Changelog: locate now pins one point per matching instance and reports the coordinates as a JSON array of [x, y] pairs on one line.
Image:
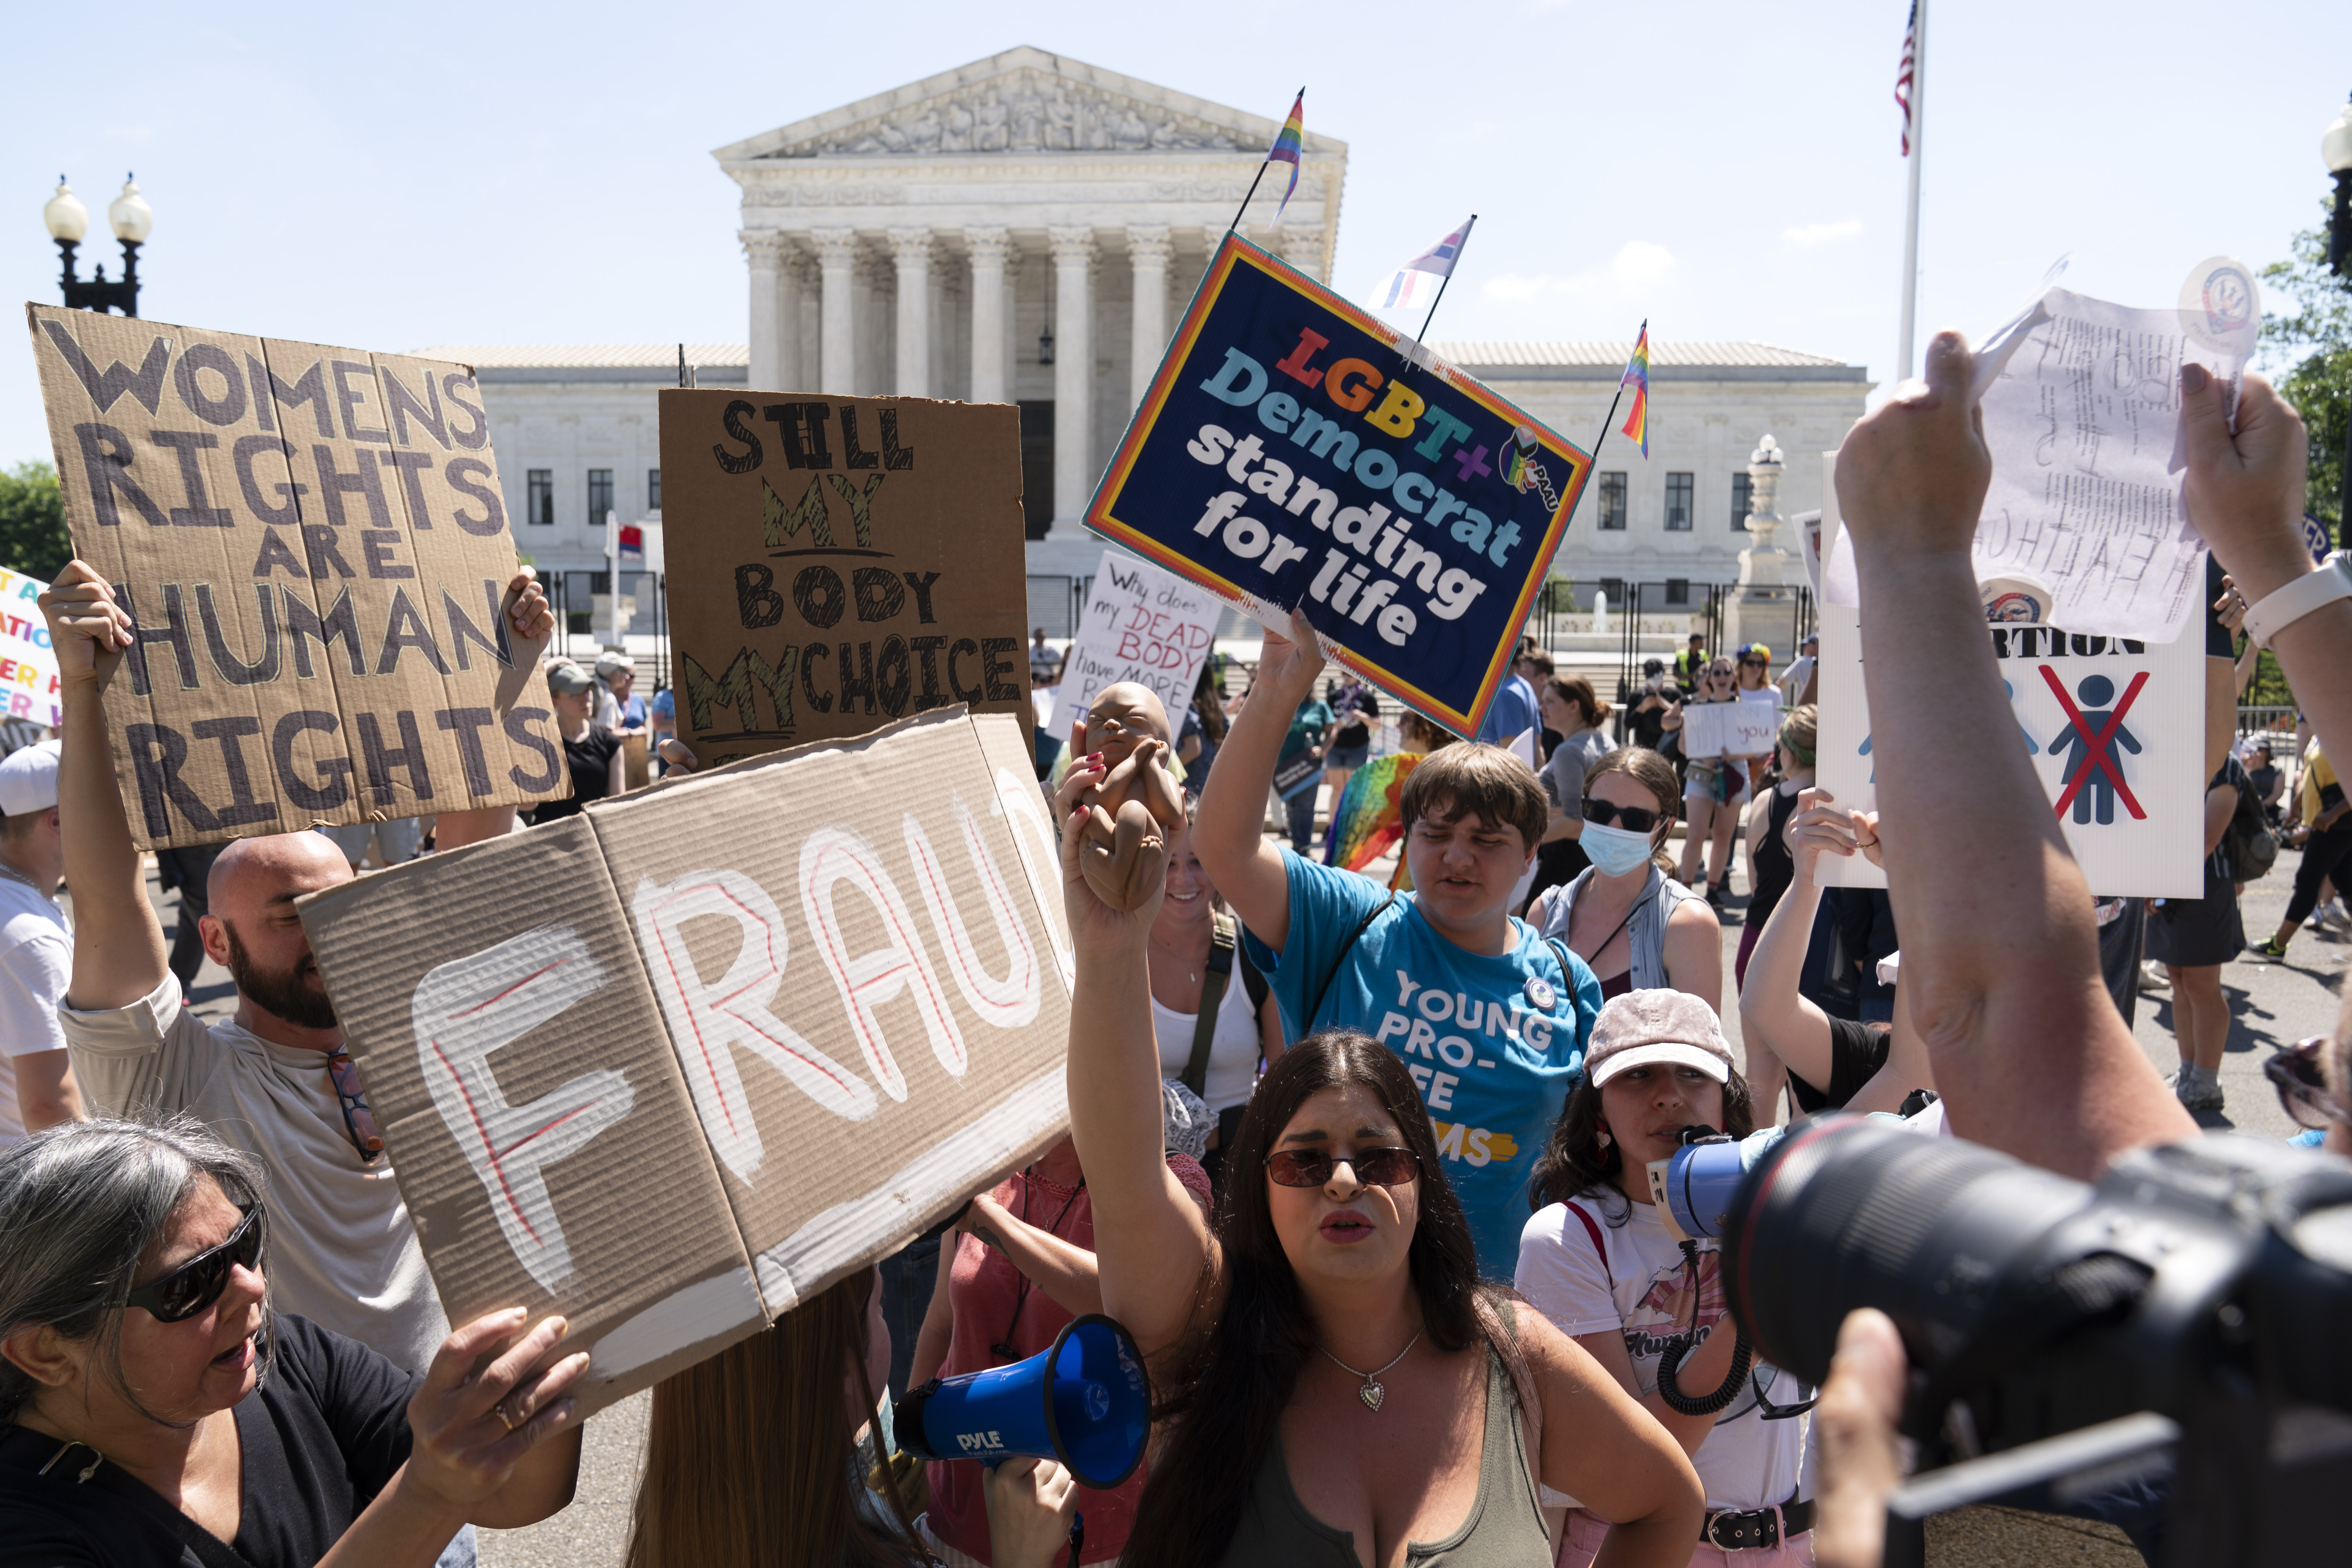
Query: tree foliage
[[33, 538], [2311, 331]]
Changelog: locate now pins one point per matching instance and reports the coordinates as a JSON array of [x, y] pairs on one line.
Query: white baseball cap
[[29, 779]]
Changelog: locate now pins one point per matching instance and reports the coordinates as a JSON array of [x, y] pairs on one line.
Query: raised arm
[[1229, 834], [1152, 1242], [1772, 1013], [118, 947], [1999, 954], [2246, 496]]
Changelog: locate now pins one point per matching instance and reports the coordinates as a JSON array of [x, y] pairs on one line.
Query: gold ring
[[504, 1420]]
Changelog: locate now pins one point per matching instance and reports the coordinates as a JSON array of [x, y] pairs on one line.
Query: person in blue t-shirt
[[1489, 1018], [1514, 711]]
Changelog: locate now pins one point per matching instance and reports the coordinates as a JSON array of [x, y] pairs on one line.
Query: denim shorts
[[1347, 758]]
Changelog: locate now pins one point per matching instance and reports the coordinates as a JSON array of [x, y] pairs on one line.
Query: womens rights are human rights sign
[[1294, 451]]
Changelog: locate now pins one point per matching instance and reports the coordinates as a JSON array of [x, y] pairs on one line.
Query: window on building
[[1678, 502], [1743, 498], [1677, 590], [1612, 499], [539, 503], [600, 495], [653, 490]]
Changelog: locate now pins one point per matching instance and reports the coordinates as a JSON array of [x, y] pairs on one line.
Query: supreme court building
[[1026, 229]]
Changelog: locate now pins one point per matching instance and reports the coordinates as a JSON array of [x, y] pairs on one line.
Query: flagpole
[[1422, 336], [1261, 172], [1911, 219]]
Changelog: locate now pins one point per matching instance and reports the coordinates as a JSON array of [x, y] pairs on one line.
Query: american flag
[[1903, 74]]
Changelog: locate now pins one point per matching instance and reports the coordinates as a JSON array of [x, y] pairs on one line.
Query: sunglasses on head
[[1313, 1167], [1633, 818], [2295, 1072], [198, 1283]]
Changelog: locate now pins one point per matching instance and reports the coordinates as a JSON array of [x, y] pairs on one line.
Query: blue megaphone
[[1694, 1188], [1085, 1402]]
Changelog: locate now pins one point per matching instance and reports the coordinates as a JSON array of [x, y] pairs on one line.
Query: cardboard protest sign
[[835, 564], [680, 1063], [1738, 728], [28, 669], [1140, 623], [1289, 453], [312, 544], [2116, 728]]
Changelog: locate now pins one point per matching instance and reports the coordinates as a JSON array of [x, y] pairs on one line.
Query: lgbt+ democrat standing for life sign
[[1293, 450]]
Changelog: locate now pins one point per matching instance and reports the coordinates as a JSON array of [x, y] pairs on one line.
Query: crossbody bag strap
[[1221, 944], [1340, 962], [209, 1548]]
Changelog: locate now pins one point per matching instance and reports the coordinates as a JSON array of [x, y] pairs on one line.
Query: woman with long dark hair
[[1598, 1262], [1335, 1383]]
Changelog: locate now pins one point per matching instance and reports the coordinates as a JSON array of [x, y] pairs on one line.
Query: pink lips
[[238, 1357], [1345, 1228]]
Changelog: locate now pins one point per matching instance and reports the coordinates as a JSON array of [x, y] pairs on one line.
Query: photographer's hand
[[1855, 1425]]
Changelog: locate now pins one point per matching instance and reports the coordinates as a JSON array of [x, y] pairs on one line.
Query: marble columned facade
[[1023, 229]]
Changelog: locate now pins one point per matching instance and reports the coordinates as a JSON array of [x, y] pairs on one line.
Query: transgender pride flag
[[1418, 278]]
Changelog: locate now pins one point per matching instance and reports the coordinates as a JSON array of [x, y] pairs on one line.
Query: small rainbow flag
[[1637, 376], [1289, 145]]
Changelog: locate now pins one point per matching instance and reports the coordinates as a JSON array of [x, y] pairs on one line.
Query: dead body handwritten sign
[[312, 544], [835, 564], [673, 1066]]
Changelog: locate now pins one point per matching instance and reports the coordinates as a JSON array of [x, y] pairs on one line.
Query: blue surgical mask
[[1613, 851]]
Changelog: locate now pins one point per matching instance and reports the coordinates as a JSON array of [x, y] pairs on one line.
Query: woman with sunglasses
[[1753, 683], [154, 1411], [1335, 1385], [1598, 1261], [1713, 788], [1625, 915]]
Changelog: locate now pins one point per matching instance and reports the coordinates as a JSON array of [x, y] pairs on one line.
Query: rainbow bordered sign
[[1288, 453]]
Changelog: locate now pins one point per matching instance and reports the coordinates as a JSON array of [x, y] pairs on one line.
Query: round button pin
[[1540, 995]]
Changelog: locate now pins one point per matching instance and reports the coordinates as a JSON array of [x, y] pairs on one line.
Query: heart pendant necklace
[[1371, 1394]]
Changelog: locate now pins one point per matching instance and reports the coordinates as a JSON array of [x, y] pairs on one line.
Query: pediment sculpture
[[1022, 113]]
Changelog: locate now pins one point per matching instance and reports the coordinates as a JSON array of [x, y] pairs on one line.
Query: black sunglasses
[[1313, 1167], [1633, 818], [198, 1283], [2294, 1071], [1754, 663]]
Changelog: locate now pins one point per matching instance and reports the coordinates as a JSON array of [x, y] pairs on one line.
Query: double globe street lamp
[[130, 216]]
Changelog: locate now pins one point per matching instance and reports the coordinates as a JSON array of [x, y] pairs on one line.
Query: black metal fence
[[573, 596]]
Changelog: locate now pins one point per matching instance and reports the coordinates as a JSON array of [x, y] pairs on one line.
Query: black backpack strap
[[1307, 1022], [1253, 983], [1222, 946]]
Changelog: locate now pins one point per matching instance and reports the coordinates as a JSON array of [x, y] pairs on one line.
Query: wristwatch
[[2283, 606]]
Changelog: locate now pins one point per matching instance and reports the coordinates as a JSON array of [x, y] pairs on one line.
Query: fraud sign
[[1290, 453]]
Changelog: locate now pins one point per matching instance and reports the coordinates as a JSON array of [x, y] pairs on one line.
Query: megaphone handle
[[1077, 1537]]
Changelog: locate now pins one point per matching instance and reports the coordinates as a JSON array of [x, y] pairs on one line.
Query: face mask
[[1613, 851]]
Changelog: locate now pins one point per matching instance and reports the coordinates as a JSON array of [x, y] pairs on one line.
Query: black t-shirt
[[321, 1437], [1354, 707], [1856, 1053], [1647, 725], [1775, 869], [590, 761]]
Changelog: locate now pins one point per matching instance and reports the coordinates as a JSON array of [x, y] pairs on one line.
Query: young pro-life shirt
[[1495, 1044]]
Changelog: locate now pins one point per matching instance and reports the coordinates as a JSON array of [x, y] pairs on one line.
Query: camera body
[[2209, 1281]]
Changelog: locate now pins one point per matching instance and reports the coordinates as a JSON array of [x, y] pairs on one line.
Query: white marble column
[[765, 250], [912, 249], [1148, 251], [789, 290], [836, 254], [1074, 377], [987, 247]]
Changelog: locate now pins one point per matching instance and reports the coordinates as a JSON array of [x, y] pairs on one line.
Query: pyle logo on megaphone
[[978, 1442], [1085, 1400]]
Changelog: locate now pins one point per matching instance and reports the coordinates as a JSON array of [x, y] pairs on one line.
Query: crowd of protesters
[[1357, 1159]]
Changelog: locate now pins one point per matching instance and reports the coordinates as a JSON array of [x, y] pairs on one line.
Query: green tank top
[[1505, 1529]]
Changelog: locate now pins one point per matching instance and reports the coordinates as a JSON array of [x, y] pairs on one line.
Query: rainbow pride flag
[[1637, 376], [1369, 817], [1289, 145]]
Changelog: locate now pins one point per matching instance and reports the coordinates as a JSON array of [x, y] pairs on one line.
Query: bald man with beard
[[342, 1251]]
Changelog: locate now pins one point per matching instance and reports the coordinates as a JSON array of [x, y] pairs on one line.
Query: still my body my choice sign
[[1288, 454]]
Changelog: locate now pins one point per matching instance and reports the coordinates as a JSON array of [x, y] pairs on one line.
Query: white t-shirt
[[35, 964], [1638, 1285], [342, 1250], [1232, 1049]]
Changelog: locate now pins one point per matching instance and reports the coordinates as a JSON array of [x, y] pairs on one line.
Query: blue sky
[[512, 174]]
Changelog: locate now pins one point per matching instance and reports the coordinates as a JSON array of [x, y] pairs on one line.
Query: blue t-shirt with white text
[[1495, 1044]]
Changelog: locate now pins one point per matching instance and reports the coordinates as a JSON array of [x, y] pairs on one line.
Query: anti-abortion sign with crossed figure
[[2113, 726]]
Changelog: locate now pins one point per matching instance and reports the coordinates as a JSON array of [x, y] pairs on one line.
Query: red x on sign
[[2098, 743]]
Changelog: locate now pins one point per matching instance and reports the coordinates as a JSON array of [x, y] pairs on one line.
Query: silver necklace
[[1372, 1393]]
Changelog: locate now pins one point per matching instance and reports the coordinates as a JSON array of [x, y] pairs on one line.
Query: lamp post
[[2335, 150], [130, 216]]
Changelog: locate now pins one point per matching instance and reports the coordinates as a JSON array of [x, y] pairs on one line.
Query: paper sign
[[673, 1066], [1139, 624], [1288, 453], [28, 669], [1738, 728], [835, 564], [2115, 729], [312, 544]]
